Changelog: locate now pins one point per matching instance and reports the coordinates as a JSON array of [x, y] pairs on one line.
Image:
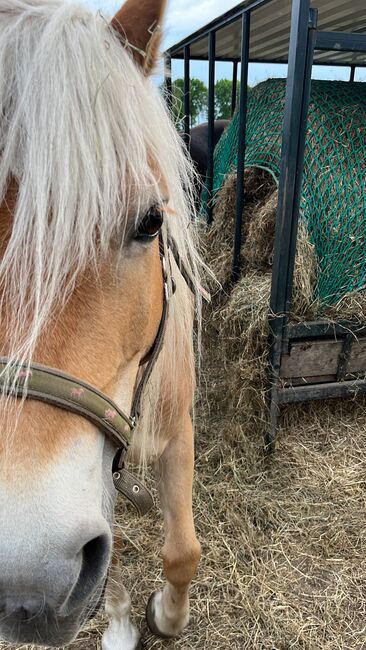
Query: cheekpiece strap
[[168, 290]]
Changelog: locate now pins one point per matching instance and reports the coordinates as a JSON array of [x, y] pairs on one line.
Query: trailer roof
[[270, 31]]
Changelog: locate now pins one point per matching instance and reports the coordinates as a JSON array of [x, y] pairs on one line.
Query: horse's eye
[[150, 225]]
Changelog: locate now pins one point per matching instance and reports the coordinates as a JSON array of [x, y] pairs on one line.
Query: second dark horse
[[198, 145]]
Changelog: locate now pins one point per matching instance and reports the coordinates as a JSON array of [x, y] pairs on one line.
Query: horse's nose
[[62, 584], [21, 607]]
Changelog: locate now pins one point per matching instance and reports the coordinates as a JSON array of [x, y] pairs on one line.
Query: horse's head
[[88, 163]]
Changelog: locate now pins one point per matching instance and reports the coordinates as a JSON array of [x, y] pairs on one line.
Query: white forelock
[[79, 127]]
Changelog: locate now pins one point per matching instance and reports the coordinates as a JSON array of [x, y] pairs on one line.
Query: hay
[[218, 241], [236, 336], [284, 563], [258, 240], [283, 539]]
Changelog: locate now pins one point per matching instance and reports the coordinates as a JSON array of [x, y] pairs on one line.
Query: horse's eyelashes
[[150, 225]]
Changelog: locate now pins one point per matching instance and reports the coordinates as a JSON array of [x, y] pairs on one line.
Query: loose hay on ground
[[284, 562]]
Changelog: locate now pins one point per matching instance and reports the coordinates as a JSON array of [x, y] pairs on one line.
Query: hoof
[[150, 620]]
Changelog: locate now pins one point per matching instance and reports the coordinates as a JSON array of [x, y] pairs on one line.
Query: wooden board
[[316, 361]]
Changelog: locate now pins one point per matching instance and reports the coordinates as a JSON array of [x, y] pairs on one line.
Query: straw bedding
[[283, 538]]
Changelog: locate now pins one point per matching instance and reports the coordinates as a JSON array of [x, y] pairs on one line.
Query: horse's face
[[56, 491]]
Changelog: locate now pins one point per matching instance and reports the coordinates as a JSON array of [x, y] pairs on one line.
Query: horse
[[99, 290], [198, 144]]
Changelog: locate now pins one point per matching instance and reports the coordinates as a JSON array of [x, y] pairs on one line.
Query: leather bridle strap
[[59, 389], [64, 391], [168, 291]]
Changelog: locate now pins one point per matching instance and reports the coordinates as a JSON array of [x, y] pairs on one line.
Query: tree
[[197, 101], [223, 99]]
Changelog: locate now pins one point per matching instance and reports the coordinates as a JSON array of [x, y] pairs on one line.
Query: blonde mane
[[79, 128]]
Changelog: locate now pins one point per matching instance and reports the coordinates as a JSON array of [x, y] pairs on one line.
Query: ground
[[283, 539]]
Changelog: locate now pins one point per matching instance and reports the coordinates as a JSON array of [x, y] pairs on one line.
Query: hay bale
[[257, 248], [219, 238], [236, 327], [257, 238]]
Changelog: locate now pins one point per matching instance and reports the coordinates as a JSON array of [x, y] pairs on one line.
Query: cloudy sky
[[183, 17], [186, 16]]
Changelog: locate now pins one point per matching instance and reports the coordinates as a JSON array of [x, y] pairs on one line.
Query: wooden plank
[[311, 359], [321, 391], [357, 362], [317, 359], [326, 329], [304, 381]]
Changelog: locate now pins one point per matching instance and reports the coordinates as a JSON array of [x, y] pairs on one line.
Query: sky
[[186, 16]]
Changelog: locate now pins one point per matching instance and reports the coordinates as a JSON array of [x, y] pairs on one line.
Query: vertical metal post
[[168, 81], [187, 103], [352, 73], [301, 51], [234, 87], [245, 38], [211, 121]]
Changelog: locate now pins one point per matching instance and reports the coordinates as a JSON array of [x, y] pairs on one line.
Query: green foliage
[[199, 100], [223, 90]]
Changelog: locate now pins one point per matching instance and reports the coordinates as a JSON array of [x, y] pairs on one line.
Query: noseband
[[50, 385]]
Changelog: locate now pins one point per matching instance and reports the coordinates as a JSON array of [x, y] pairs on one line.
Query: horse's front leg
[[121, 634], [168, 610]]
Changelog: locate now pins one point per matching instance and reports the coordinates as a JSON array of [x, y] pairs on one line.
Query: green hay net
[[333, 197]]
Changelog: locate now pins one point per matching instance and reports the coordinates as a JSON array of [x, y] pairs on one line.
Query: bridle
[[50, 385]]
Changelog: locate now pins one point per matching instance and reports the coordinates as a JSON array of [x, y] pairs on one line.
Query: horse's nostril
[[95, 560], [25, 614], [95, 549], [21, 608]]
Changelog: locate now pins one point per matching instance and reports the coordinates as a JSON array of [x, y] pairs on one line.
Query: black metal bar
[[211, 122], [321, 391], [344, 357], [168, 81], [322, 63], [234, 87], [245, 38], [301, 50], [352, 73], [218, 23], [340, 42], [292, 157], [325, 329], [187, 99]]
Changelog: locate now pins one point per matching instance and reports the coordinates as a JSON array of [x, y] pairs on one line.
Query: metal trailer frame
[[305, 39]]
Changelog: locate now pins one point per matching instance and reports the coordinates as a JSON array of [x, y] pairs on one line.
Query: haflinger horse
[[98, 292]]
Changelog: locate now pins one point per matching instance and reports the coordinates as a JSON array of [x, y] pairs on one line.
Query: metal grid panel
[[271, 28]]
